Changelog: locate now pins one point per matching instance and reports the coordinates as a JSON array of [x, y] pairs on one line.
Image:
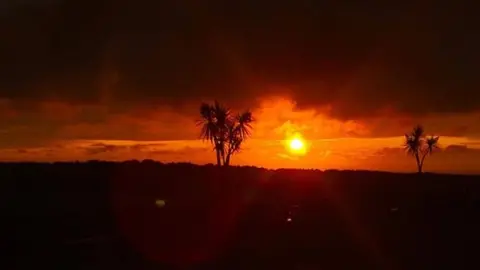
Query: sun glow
[[296, 145]]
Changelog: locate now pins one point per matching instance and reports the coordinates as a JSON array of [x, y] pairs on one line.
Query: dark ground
[[103, 216]]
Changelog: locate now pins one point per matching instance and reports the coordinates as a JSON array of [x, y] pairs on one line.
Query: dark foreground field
[[105, 216]]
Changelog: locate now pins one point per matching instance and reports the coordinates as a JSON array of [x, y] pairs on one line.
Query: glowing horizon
[[327, 142]]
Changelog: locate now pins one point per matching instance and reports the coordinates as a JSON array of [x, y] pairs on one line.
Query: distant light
[[289, 219], [160, 203], [394, 209]]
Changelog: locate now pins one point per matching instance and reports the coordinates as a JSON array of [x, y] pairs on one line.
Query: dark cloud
[[456, 148], [182, 152], [474, 143], [98, 148], [409, 56], [462, 149], [146, 147], [151, 149], [389, 151]]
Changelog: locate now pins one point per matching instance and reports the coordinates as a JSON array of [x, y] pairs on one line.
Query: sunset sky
[[117, 80]]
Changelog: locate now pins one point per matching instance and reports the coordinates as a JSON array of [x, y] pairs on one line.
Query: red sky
[[152, 134], [118, 80]]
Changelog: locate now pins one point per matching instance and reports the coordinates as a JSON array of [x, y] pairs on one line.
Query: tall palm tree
[[417, 145], [225, 132]]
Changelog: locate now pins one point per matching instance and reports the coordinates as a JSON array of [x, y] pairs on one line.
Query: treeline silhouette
[[104, 215]]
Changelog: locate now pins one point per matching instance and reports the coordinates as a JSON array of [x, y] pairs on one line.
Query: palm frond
[[432, 143], [206, 111], [411, 145], [207, 123], [418, 132], [244, 126], [222, 114]]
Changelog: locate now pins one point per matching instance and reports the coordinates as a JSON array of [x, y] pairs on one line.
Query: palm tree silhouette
[[238, 130], [223, 130], [417, 145]]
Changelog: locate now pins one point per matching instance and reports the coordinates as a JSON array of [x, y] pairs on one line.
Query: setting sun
[[296, 145]]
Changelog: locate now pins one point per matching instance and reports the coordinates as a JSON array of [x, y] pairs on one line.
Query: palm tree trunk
[[217, 149], [223, 157], [421, 162], [227, 160], [419, 165], [218, 158]]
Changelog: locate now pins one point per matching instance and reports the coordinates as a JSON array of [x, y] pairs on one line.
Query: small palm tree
[[225, 132], [419, 146]]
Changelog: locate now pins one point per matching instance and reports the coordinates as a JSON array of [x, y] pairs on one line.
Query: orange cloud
[[55, 130], [278, 118]]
